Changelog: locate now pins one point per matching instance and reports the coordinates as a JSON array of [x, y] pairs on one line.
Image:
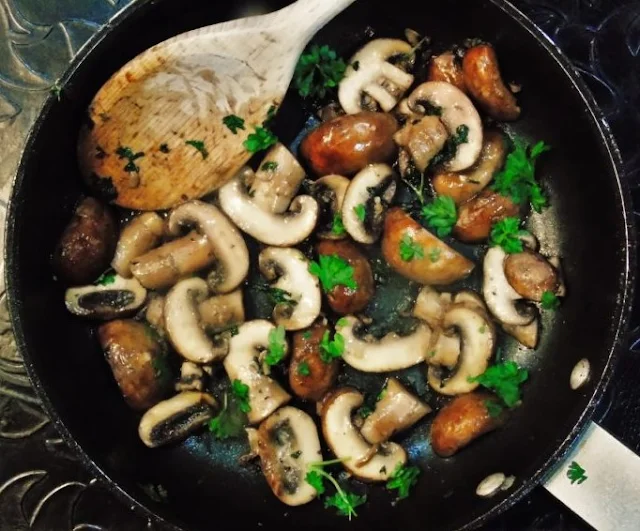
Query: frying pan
[[589, 225]]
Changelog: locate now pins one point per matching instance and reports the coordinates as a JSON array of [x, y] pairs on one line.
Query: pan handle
[[600, 482]]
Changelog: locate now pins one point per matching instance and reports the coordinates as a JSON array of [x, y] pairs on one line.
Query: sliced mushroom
[[373, 190], [457, 111], [119, 298], [191, 377], [500, 297], [182, 322], [243, 363], [391, 353], [431, 305], [366, 462], [478, 339], [154, 314], [222, 311], [174, 419], [277, 181], [447, 67], [228, 245], [287, 443], [329, 192], [139, 236], [363, 82], [164, 266], [421, 140], [527, 335], [288, 270], [445, 350], [396, 411], [281, 230], [462, 186]]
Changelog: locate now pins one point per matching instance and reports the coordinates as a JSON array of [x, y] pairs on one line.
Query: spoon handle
[[306, 17]]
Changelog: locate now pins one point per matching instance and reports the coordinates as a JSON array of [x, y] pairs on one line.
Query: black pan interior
[[587, 226]]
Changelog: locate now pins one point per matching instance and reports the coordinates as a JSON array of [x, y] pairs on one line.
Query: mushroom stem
[[139, 236], [222, 311]]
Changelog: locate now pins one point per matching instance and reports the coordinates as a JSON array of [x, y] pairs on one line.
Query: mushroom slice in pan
[[139, 236], [329, 192], [289, 268], [119, 298], [396, 411], [362, 84], [478, 339], [368, 196], [281, 230], [431, 305], [191, 377], [182, 322], [277, 180], [457, 111], [222, 311], [366, 462], [500, 297], [243, 363], [174, 419], [228, 245], [287, 443], [421, 140], [391, 353]]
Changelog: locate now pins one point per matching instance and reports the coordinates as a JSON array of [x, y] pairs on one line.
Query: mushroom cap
[[373, 65], [290, 270], [120, 298], [346, 442], [457, 110], [281, 230], [373, 187], [182, 322], [287, 433], [226, 241], [391, 353], [242, 363], [172, 420]]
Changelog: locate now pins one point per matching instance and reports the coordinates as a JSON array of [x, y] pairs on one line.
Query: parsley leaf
[[199, 145], [494, 408], [504, 379], [410, 250], [105, 279], [434, 255], [344, 501], [269, 166], [241, 392], [517, 178], [343, 321], [318, 71], [303, 369], [277, 295], [314, 479], [450, 148], [127, 153], [337, 226], [361, 211], [331, 349], [232, 419], [276, 349], [333, 271], [233, 123], [403, 479], [260, 140], [365, 411], [506, 234], [441, 215], [550, 301]]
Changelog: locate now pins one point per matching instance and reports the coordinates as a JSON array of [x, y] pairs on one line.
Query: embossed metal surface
[[42, 486]]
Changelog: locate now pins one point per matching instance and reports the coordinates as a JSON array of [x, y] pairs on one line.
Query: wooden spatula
[[158, 137]]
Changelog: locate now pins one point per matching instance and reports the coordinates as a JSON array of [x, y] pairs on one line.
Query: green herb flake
[[164, 148], [576, 474], [343, 321], [56, 90], [297, 454], [105, 279], [277, 347], [199, 145], [550, 301], [241, 392], [410, 250], [494, 409], [434, 255], [233, 123], [303, 369], [318, 71], [344, 501], [360, 211], [482, 329], [450, 148], [333, 271], [403, 479], [504, 379], [507, 234], [232, 419], [331, 349], [128, 154], [337, 226], [269, 166], [307, 335], [365, 411], [261, 139], [441, 215], [430, 109]]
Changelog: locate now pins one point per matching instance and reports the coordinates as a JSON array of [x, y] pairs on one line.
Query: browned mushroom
[[477, 216], [530, 274], [447, 67]]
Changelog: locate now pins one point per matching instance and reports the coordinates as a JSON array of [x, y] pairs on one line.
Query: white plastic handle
[[600, 482]]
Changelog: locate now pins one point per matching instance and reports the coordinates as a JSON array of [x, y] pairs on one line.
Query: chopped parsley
[[344, 501], [434, 255], [269, 166], [277, 295], [517, 179], [261, 139], [365, 411], [403, 479], [296, 454], [333, 271], [277, 347], [410, 250], [494, 409], [550, 301], [361, 211], [56, 90], [441, 215], [504, 379], [430, 109], [231, 420], [199, 145], [318, 71], [343, 321], [164, 148], [450, 148], [331, 349], [576, 474], [337, 226], [105, 279], [303, 369], [233, 123], [128, 154], [241, 392], [307, 335], [506, 234]]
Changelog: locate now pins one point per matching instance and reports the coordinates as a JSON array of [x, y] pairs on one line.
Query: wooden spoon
[[157, 136]]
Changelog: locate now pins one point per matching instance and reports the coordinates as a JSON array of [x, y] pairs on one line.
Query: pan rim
[[619, 322]]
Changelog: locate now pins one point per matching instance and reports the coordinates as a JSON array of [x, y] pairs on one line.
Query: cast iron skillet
[[589, 225]]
